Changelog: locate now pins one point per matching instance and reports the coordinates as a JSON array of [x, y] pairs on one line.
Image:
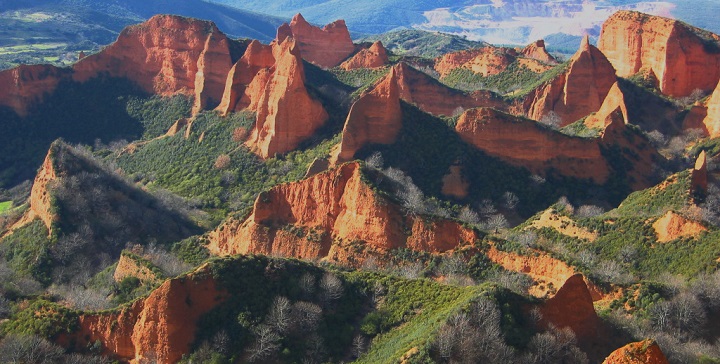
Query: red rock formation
[[166, 55], [340, 218], [25, 85], [177, 126], [699, 178], [454, 184], [374, 118], [373, 57], [326, 47], [127, 266], [435, 98], [576, 93], [238, 94], [524, 143], [487, 61], [40, 199], [678, 54], [712, 119], [673, 226], [160, 327], [615, 100], [286, 114], [695, 118], [572, 307], [643, 352], [536, 50]]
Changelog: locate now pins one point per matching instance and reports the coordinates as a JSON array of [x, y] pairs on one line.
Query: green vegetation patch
[[42, 318]]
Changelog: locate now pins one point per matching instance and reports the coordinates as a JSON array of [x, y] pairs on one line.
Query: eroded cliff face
[[524, 143], [40, 197], [577, 92], [711, 121], [286, 113], [374, 118], [238, 93], [335, 216], [160, 327], [166, 55], [614, 101], [536, 50], [325, 47], [572, 307], [128, 266], [372, 57], [682, 57], [435, 98], [699, 175], [674, 226], [25, 85], [643, 352]]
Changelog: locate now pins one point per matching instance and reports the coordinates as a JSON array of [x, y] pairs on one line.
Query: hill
[[54, 31]]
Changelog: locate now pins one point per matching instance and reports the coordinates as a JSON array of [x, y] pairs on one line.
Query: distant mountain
[[53, 31], [493, 21], [414, 42]]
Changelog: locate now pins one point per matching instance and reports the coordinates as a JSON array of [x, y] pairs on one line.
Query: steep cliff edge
[[371, 57], [683, 58], [578, 91], [435, 98], [160, 327], [325, 47], [336, 216], [524, 143], [167, 55], [25, 85], [572, 307], [286, 113], [374, 118]]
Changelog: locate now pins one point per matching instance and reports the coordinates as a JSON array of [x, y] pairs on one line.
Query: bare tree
[[510, 200], [469, 216], [307, 285], [496, 222], [359, 345], [331, 287], [222, 162], [267, 342], [552, 120], [375, 160], [587, 211], [280, 316], [306, 316], [29, 349]]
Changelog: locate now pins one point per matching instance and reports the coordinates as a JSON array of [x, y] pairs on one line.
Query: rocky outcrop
[[40, 196], [26, 85], [454, 184], [486, 61], [524, 143], [643, 352], [374, 118], [712, 118], [682, 57], [286, 113], [160, 327], [673, 226], [536, 50], [132, 266], [335, 216], [577, 92], [490, 60], [699, 176], [614, 101], [239, 93], [435, 98], [166, 55], [572, 307], [325, 47], [372, 57]]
